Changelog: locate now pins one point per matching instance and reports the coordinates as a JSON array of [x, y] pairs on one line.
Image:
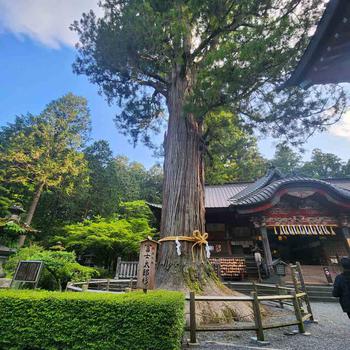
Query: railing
[[126, 269], [100, 285], [258, 326]]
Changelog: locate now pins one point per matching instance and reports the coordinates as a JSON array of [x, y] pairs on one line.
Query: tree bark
[[31, 211], [183, 209]]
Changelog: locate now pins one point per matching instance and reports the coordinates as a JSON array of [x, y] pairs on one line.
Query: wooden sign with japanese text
[[147, 264]]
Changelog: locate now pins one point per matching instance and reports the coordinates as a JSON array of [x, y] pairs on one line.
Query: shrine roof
[[326, 58], [266, 193], [217, 196], [248, 193]]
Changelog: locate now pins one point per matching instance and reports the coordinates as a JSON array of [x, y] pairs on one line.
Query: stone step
[[315, 292]]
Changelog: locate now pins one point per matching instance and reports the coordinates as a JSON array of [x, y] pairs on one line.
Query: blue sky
[[37, 52]]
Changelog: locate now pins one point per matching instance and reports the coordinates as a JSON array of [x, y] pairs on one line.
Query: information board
[[28, 271]]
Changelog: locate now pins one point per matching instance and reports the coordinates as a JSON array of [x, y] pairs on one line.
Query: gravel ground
[[331, 333]]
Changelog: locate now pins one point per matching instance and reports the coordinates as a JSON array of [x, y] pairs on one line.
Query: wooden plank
[[257, 318], [224, 328], [280, 325], [298, 314], [275, 297], [221, 298], [306, 317], [306, 297]]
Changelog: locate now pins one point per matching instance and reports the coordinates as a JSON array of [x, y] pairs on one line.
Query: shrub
[[33, 320], [59, 267], [109, 238]]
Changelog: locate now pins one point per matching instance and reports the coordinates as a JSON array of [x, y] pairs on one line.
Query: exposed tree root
[[202, 280]]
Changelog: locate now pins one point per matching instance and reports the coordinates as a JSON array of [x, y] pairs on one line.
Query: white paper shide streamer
[[178, 246], [207, 250]]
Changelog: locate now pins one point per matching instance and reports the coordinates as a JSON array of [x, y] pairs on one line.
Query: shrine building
[[290, 218]]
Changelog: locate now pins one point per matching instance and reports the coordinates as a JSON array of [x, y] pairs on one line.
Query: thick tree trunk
[[31, 211], [183, 208], [183, 211]]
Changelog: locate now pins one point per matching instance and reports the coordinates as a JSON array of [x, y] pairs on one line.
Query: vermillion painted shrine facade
[[288, 218]]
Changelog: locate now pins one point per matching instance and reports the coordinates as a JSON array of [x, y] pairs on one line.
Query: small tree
[[184, 59], [43, 151], [108, 238]]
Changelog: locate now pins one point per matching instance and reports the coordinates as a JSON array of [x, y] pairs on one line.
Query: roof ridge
[[270, 189], [258, 184]]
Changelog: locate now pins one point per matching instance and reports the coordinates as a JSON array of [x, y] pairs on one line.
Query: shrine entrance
[[302, 225], [307, 249]]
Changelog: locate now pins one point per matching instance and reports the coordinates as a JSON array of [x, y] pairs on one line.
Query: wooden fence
[[100, 285], [294, 298], [126, 269]]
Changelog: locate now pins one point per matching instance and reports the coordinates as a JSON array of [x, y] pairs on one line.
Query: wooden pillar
[[267, 250], [345, 231], [346, 234]]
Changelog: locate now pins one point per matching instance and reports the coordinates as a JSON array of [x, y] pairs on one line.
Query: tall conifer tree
[[179, 60]]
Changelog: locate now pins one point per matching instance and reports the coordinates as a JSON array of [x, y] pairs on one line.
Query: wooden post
[[193, 326], [259, 273], [294, 278], [267, 250], [303, 286], [257, 318], [117, 271], [255, 288], [147, 264], [108, 284], [344, 224], [298, 314], [279, 293]]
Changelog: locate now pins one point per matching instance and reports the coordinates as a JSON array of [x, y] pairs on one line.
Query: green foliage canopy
[[40, 152], [232, 151], [43, 148], [324, 165], [286, 159], [108, 238], [321, 165], [232, 54]]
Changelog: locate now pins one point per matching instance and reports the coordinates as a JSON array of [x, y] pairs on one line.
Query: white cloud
[[342, 128], [46, 21]]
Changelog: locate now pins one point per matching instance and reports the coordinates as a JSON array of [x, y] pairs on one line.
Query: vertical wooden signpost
[[147, 265]]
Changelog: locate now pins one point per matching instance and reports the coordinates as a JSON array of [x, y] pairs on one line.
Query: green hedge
[[82, 321]]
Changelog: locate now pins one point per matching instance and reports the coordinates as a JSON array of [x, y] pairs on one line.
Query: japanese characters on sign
[[147, 264]]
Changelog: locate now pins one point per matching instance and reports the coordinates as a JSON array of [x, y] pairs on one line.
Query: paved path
[[331, 333]]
